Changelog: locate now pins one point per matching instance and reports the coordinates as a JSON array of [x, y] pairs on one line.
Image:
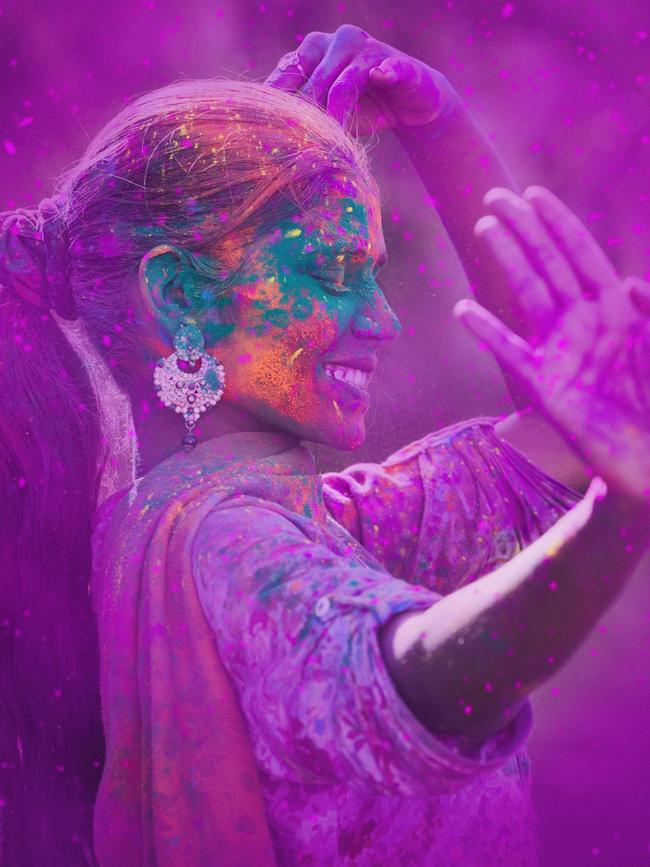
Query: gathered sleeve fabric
[[448, 508], [295, 607]]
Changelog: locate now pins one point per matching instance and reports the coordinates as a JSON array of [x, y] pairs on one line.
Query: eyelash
[[334, 287]]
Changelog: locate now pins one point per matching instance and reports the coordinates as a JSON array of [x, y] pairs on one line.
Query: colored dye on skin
[[306, 293]]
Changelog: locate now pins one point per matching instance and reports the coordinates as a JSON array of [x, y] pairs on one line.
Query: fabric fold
[[180, 786]]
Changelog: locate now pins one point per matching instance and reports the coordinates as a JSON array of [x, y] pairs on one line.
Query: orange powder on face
[[275, 370]]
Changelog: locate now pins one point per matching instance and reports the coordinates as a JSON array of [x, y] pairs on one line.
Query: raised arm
[[490, 644], [467, 664], [371, 86]]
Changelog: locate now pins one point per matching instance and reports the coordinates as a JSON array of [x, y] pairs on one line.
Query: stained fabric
[[286, 578]]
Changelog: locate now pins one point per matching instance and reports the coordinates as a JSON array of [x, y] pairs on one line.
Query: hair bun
[[34, 258]]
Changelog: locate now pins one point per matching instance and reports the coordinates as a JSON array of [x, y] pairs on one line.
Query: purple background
[[563, 89]]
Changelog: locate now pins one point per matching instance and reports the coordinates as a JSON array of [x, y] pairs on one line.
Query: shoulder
[[475, 431], [242, 522]]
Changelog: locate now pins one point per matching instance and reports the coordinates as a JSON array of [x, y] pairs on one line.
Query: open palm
[[587, 364]]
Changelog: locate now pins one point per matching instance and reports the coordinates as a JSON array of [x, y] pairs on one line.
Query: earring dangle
[[189, 380]]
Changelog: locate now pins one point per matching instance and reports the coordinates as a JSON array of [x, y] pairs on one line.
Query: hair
[[196, 164]]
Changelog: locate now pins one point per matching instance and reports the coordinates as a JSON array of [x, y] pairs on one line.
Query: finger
[[394, 70], [639, 293], [319, 82], [345, 45], [346, 91], [584, 254], [515, 353], [531, 294], [544, 252], [294, 68]]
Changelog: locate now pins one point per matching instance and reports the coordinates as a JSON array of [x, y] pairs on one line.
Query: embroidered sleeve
[[448, 508], [295, 621]]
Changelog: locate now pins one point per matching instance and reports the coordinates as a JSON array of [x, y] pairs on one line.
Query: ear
[[168, 285]]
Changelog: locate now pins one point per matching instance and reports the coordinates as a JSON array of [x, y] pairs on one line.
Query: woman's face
[[310, 320]]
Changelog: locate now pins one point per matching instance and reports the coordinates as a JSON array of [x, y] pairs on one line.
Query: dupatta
[[180, 786]]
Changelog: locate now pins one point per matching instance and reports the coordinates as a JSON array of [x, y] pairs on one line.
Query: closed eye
[[334, 287], [331, 284]]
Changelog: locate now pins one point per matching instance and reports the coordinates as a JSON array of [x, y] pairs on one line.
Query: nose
[[376, 319]]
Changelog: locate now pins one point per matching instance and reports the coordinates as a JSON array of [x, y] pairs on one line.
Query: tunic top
[[295, 589]]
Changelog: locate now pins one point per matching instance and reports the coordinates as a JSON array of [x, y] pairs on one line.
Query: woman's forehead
[[345, 215]]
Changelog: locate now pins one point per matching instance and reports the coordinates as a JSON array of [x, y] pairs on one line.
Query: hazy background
[[563, 89]]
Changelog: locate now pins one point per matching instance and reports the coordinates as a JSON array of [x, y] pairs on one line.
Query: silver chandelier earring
[[189, 380]]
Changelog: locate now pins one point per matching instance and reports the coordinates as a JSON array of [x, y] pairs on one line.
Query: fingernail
[[494, 193], [504, 193], [461, 307], [534, 191], [485, 224]]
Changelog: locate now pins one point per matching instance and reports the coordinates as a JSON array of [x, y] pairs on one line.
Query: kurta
[[295, 574]]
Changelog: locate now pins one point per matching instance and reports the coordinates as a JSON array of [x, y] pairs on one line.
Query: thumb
[[638, 290], [392, 70]]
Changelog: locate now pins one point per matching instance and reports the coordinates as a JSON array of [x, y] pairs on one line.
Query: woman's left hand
[[587, 364], [365, 84]]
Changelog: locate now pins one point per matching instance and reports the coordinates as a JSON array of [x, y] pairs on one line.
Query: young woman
[[294, 669]]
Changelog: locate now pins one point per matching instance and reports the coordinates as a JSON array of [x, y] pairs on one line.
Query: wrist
[[449, 107]]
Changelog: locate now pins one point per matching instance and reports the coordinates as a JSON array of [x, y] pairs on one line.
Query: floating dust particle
[[295, 355], [338, 409]]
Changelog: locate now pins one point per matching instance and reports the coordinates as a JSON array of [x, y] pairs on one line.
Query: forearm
[[457, 166], [465, 665]]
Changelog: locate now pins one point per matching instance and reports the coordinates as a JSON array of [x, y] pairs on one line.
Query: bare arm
[[513, 628], [465, 665], [457, 166], [567, 370]]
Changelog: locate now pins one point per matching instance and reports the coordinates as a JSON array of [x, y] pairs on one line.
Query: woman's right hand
[[587, 368]]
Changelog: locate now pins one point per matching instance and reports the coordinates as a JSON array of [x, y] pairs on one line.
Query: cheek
[[276, 364], [287, 318]]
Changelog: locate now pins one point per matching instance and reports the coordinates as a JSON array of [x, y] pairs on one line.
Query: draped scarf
[[180, 786]]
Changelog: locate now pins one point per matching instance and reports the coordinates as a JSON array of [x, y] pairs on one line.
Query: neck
[[160, 431]]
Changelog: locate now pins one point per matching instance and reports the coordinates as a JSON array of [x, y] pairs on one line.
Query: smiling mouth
[[349, 375]]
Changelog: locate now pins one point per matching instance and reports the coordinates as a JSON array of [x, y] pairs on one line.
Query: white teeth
[[348, 374]]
